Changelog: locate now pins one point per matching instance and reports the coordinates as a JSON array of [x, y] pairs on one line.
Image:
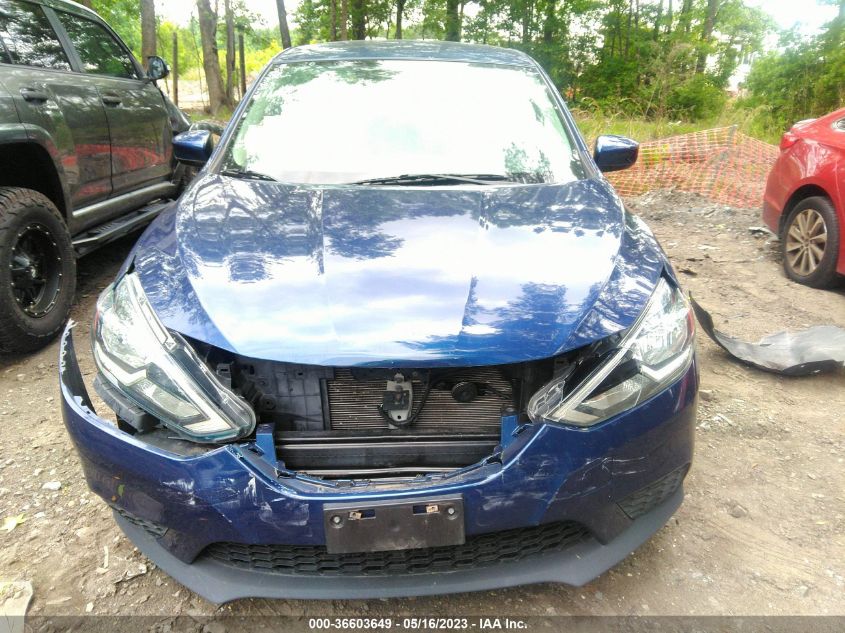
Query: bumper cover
[[237, 493], [577, 565]]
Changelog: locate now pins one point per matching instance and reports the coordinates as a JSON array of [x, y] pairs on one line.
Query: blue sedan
[[399, 337]]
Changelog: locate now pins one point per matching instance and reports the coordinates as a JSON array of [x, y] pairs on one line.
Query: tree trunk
[[657, 21], [359, 24], [242, 63], [842, 9], [628, 27], [686, 18], [526, 21], [148, 29], [400, 8], [550, 22], [344, 20], [707, 34], [210, 59], [283, 23], [669, 18], [230, 54], [453, 25], [333, 20]]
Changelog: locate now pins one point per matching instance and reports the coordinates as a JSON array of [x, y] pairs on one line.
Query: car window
[[402, 117], [30, 39], [840, 125], [98, 50]]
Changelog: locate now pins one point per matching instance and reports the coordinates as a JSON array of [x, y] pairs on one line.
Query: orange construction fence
[[722, 164]]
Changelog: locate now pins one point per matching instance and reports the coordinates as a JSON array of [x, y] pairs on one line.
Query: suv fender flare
[[39, 136]]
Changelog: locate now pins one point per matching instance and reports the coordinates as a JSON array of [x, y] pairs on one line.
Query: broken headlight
[[653, 354], [159, 371]]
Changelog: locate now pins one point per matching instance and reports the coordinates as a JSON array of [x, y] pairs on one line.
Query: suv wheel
[[37, 270], [810, 243]]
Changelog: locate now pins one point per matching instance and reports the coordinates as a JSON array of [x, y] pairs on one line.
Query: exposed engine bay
[[368, 422]]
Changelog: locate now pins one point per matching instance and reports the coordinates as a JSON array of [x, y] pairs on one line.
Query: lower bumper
[[218, 582]]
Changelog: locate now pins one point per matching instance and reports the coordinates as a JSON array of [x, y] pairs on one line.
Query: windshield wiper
[[247, 174], [436, 179]]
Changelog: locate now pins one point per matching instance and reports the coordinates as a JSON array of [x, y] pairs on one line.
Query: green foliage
[[805, 79], [695, 99]]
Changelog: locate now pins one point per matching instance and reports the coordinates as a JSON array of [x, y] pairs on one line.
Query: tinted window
[[29, 37], [99, 52], [403, 117]]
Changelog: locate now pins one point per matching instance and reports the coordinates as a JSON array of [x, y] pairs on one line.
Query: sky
[[787, 13]]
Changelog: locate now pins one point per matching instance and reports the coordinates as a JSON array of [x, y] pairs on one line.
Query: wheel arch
[[804, 191], [29, 165]]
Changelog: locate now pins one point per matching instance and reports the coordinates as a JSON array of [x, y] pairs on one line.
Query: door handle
[[34, 94], [111, 99]]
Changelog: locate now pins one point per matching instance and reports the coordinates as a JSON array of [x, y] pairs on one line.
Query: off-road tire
[[824, 274], [24, 210]]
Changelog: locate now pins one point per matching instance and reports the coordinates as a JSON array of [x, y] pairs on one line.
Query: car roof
[[406, 49]]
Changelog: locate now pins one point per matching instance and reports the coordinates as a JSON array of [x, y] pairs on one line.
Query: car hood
[[391, 276]]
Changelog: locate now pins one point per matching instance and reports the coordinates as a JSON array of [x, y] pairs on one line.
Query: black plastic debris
[[820, 348]]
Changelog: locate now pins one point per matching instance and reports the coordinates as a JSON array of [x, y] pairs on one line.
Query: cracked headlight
[[159, 371], [655, 352]]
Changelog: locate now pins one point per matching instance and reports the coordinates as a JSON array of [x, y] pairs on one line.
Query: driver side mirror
[[613, 153], [157, 68], [193, 147]]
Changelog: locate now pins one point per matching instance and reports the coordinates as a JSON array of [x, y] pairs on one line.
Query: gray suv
[[85, 156]]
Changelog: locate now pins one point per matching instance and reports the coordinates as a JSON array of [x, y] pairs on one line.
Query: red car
[[804, 201]]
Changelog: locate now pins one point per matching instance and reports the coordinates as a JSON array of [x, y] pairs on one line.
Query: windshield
[[348, 121]]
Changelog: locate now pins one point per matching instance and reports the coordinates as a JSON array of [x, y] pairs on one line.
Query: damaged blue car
[[399, 337]]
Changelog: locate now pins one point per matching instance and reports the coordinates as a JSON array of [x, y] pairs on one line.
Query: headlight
[[159, 371], [656, 351]]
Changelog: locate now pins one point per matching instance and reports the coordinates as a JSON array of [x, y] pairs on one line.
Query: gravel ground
[[761, 532]]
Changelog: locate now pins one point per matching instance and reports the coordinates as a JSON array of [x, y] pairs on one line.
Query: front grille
[[485, 550], [637, 504], [353, 404], [156, 530]]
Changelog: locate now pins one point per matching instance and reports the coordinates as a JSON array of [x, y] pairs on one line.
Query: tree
[[400, 9], [453, 22], [283, 23], [333, 20], [230, 53], [148, 29], [358, 16], [707, 34], [210, 58], [344, 20]]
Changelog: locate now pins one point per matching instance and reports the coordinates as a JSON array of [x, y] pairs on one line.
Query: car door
[[60, 112], [141, 140]]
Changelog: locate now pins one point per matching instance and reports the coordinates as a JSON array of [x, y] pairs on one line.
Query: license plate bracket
[[390, 525]]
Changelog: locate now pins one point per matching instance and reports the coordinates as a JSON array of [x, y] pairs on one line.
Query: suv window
[[98, 50], [29, 37]]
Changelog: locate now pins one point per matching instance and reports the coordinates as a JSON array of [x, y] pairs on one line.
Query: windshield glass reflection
[[345, 121]]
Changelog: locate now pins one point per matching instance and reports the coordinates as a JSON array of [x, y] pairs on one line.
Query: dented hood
[[397, 275]]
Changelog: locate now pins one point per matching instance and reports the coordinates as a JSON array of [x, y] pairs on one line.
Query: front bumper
[[174, 506]]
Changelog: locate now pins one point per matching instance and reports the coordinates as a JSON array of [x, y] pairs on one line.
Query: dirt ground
[[761, 532]]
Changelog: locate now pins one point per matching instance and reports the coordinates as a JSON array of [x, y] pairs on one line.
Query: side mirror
[[193, 147], [613, 153], [157, 68]]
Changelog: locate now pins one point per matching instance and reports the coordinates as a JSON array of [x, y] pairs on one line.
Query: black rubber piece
[[20, 332], [824, 276]]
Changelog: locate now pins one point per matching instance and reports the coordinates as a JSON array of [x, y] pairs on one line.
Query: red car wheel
[[810, 243]]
